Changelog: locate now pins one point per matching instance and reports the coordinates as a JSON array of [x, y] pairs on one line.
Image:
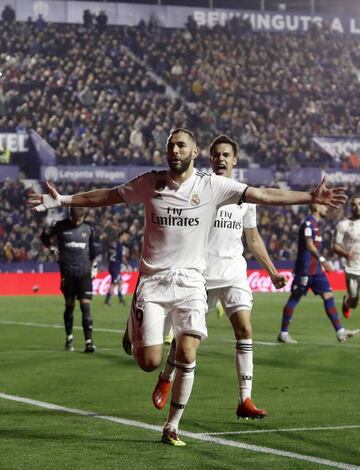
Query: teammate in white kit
[[180, 207], [226, 279], [347, 245]]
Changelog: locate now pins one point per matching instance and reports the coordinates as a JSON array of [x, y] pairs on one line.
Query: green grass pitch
[[311, 391]]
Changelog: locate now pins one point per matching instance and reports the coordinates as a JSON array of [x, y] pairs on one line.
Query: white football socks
[[181, 391], [244, 367]]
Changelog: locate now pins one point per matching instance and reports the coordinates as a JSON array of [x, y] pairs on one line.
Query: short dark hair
[[224, 139], [182, 129], [77, 212]]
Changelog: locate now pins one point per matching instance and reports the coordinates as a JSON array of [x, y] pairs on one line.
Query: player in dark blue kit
[[115, 254], [309, 273], [75, 243]]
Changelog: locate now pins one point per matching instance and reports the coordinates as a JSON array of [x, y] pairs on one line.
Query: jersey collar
[[174, 185]]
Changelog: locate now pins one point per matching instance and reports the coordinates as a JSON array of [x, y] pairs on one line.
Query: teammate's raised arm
[[257, 247], [96, 198]]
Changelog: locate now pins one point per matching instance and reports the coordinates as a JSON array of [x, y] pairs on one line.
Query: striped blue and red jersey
[[306, 263]]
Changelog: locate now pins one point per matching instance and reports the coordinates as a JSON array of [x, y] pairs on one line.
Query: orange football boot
[[247, 410], [161, 392]]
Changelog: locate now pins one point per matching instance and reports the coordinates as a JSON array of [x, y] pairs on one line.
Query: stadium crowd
[[272, 92], [109, 95], [102, 96], [20, 229]]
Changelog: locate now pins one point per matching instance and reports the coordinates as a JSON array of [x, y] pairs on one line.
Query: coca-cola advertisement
[[260, 281], [49, 283], [101, 283]]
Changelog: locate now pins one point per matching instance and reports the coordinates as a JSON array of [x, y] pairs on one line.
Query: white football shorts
[[232, 298], [179, 294]]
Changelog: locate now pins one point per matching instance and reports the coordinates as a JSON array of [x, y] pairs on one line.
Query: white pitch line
[[45, 325], [196, 436], [103, 330], [110, 330], [264, 431], [266, 343]]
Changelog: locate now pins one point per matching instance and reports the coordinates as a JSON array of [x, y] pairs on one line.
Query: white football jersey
[[226, 265], [348, 235], [178, 218]]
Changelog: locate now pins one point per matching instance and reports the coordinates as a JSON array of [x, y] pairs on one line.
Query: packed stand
[[271, 92], [84, 94], [94, 93]]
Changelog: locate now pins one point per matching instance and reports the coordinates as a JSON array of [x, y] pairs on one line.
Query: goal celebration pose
[[226, 279], [180, 207]]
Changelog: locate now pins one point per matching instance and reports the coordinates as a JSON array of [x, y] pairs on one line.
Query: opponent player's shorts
[[115, 276], [179, 294], [76, 286], [318, 283], [352, 285], [233, 298]]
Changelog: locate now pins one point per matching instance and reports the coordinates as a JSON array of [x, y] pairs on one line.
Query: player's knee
[[186, 353], [296, 295], [148, 358], [148, 364], [70, 304], [186, 347], [244, 332], [327, 296]]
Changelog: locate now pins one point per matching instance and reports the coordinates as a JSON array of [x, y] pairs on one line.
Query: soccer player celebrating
[[347, 245], [309, 274], [226, 279], [180, 206], [75, 242]]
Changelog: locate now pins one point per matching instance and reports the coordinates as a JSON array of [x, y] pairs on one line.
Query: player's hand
[[54, 251], [279, 281], [333, 197], [42, 202], [94, 270]]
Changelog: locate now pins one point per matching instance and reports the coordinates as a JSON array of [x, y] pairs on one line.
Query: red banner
[[49, 283]]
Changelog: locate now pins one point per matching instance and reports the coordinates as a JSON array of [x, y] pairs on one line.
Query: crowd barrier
[[49, 283]]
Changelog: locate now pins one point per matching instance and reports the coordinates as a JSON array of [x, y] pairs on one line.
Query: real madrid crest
[[195, 200]]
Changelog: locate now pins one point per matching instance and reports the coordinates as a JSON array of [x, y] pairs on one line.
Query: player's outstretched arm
[[334, 197], [96, 198], [257, 247]]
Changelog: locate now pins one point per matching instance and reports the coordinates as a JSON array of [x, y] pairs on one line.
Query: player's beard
[[180, 167]]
